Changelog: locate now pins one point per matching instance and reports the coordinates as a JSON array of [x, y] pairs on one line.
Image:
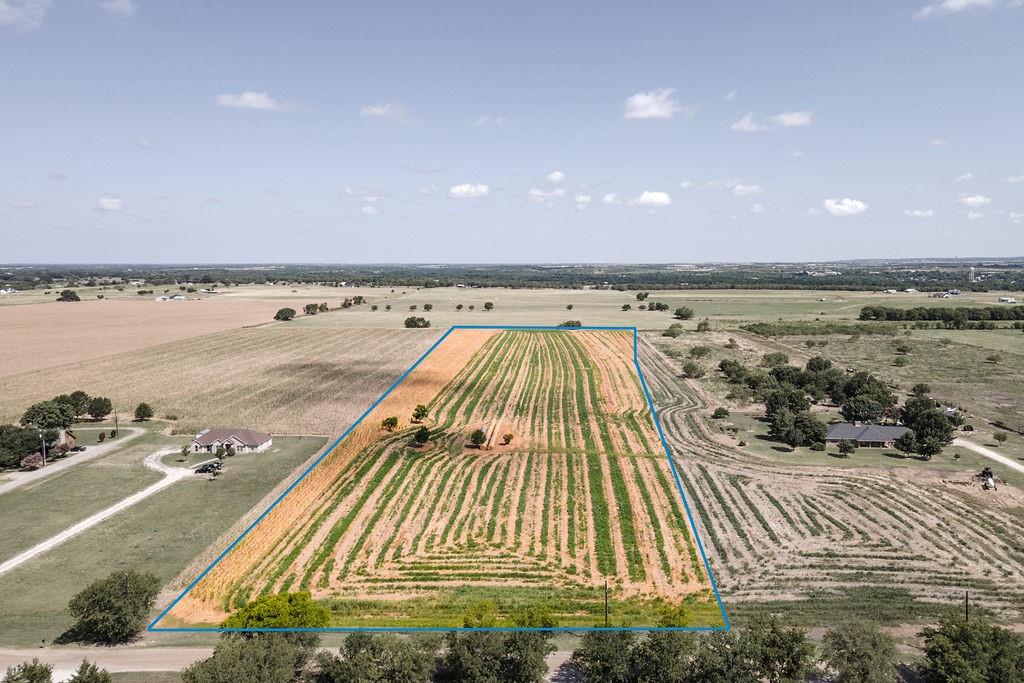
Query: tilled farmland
[[394, 535]]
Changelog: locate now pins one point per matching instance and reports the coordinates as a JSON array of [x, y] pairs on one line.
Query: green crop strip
[[737, 483], [523, 494], [404, 513]]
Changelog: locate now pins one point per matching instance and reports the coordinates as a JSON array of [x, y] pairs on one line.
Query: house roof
[[865, 433], [248, 437]]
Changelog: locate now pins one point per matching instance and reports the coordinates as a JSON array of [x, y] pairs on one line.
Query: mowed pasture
[[389, 534], [819, 542], [276, 378], [47, 335]]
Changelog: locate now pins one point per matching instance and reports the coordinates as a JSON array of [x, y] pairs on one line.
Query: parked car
[[209, 468], [78, 449]]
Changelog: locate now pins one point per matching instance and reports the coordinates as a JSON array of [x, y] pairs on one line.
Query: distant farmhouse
[[877, 436], [171, 297], [241, 440]]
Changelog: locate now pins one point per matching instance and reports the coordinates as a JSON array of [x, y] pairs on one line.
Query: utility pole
[[606, 603], [967, 606], [42, 440]]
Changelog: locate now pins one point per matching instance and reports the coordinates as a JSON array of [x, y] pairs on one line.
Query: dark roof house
[[865, 434]]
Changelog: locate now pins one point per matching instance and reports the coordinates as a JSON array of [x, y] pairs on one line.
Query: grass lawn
[[162, 535]]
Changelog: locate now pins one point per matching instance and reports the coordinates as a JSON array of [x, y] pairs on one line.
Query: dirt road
[[990, 454], [153, 462], [13, 480]]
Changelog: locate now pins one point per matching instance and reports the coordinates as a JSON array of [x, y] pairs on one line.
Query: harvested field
[[392, 535], [818, 543], [276, 378], [46, 335]]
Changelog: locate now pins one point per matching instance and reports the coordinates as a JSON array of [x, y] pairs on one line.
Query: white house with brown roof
[[241, 440]]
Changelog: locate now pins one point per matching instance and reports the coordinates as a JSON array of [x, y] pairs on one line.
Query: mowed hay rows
[[787, 533], [275, 378], [401, 536]]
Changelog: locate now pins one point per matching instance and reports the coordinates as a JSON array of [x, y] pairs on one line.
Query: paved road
[[15, 480], [153, 462], [989, 453]]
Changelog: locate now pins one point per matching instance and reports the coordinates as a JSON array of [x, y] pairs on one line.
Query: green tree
[[921, 389], [640, 296], [806, 430], [323, 308], [389, 424], [568, 307], [79, 402], [68, 295], [723, 658], [143, 412], [626, 307], [284, 314], [88, 672], [100, 407], [704, 325], [48, 415], [478, 438], [458, 307], [971, 652], [1001, 437], [506, 439], [779, 653], [720, 413], [258, 658], [663, 657], [113, 610], [428, 307], [488, 306], [907, 443], [421, 436], [863, 409], [604, 656], [365, 658], [674, 330], [818, 364], [860, 652], [699, 351], [29, 672], [413, 322], [310, 309], [693, 370], [282, 610], [847, 448], [774, 359], [683, 313], [419, 413]]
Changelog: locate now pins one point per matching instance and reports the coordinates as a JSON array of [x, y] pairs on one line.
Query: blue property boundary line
[[389, 629]]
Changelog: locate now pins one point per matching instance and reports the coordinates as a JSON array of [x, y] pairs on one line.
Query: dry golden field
[[276, 378], [46, 335], [393, 535]]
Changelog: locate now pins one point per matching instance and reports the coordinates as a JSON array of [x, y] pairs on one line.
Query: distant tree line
[[950, 316]]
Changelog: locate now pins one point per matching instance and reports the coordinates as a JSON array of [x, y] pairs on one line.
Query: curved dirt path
[[18, 479], [989, 453], [152, 461]]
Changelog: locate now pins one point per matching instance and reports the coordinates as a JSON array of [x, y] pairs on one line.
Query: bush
[[29, 672], [143, 412], [684, 313], [488, 306], [818, 446], [283, 610], [478, 438], [68, 295], [101, 437], [90, 673], [284, 314], [389, 424], [571, 323], [720, 413], [693, 370], [847, 448], [113, 610], [674, 330], [413, 322]]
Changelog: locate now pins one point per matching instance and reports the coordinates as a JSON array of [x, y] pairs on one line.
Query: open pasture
[[393, 535], [277, 378]]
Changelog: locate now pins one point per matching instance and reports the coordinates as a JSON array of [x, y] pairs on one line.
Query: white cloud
[[652, 199], [1015, 179], [973, 201], [744, 190], [919, 213], [369, 210], [844, 207], [612, 198], [812, 211], [796, 154], [964, 178], [1016, 216], [731, 96], [489, 118], [656, 104], [426, 189], [756, 208], [555, 177], [686, 184], [250, 99], [582, 201], [748, 125], [126, 8], [793, 119], [538, 195], [363, 195], [469, 191], [24, 15], [974, 215], [786, 119], [953, 7], [939, 142], [386, 110], [727, 183], [110, 204]]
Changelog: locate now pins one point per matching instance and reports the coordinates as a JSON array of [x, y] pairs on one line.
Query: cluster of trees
[[413, 322], [39, 672], [18, 442], [61, 411], [951, 317], [68, 295], [797, 327], [112, 611]]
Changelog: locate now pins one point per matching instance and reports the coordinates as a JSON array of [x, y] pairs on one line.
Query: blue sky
[[136, 130]]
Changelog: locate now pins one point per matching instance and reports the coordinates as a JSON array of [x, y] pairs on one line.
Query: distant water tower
[[974, 277]]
